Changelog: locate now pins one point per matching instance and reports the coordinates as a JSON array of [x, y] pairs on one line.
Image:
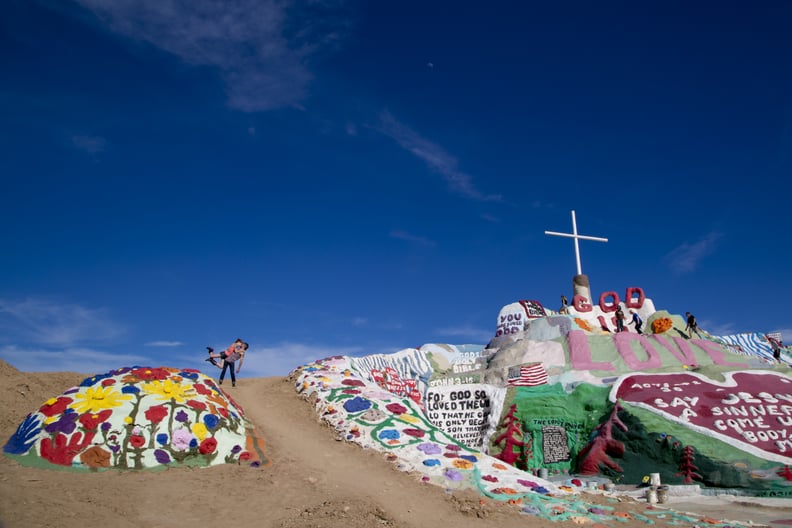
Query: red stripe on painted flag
[[528, 376]]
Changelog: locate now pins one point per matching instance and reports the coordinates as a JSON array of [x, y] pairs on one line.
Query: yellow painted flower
[[168, 389], [410, 418], [95, 399], [199, 430]]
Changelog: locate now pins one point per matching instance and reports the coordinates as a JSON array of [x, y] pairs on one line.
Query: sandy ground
[[313, 480]]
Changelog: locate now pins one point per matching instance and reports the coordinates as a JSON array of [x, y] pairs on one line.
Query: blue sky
[[326, 178]]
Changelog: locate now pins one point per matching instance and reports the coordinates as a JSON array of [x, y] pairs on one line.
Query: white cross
[[576, 237]]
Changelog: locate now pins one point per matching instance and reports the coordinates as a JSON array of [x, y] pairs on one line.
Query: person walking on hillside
[[637, 321], [619, 319], [692, 326], [233, 354]]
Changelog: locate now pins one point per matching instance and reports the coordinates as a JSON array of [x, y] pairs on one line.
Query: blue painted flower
[[162, 456], [189, 375], [25, 436], [389, 434], [469, 458], [87, 382], [162, 438], [431, 462], [130, 389], [356, 404], [210, 420], [194, 442]]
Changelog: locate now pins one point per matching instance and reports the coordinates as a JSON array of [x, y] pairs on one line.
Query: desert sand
[[312, 480]]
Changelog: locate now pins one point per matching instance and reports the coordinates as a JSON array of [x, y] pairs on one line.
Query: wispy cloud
[[434, 156], [476, 335], [686, 257], [48, 323], [164, 344], [89, 144], [280, 359], [261, 48], [84, 360], [414, 239]]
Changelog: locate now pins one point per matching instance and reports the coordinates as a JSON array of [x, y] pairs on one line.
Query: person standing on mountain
[[692, 326], [233, 354], [637, 321], [619, 319]]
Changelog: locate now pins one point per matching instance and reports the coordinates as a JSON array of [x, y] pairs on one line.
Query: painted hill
[[565, 396]]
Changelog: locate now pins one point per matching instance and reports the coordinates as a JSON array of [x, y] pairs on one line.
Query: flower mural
[[138, 418]]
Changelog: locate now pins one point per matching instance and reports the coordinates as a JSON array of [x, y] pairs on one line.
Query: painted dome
[[138, 418]]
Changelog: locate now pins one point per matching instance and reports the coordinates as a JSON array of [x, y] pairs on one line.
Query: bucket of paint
[[662, 494], [542, 473], [654, 479], [651, 495]]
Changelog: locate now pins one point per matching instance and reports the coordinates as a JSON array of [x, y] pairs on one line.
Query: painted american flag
[[528, 375]]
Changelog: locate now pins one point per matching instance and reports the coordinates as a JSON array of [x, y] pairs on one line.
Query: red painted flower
[[108, 381], [151, 374], [197, 405], [137, 441], [353, 383], [350, 391], [91, 421], [223, 412], [414, 432], [208, 446], [156, 413], [202, 389], [55, 407], [244, 455], [396, 408], [489, 478]]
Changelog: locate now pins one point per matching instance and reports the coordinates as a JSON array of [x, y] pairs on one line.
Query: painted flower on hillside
[[207, 446], [156, 413], [168, 390], [181, 439], [95, 399], [55, 406], [150, 374], [91, 421], [66, 423]]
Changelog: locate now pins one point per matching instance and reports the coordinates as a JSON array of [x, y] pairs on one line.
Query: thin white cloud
[[686, 257], [260, 47], [84, 360], [360, 321], [280, 359], [45, 322], [414, 239], [478, 335], [434, 156], [89, 144], [164, 344]]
